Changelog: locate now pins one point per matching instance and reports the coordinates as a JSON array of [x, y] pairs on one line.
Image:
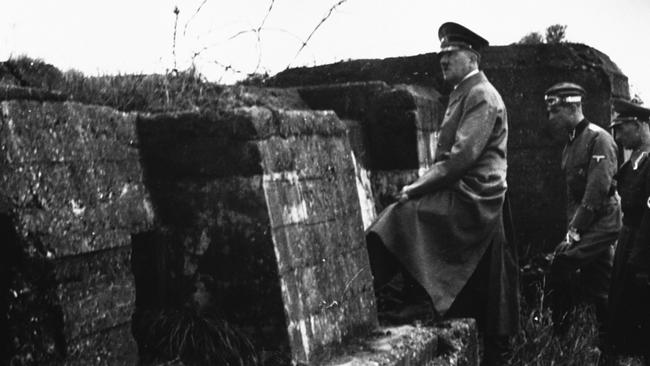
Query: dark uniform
[[629, 294], [582, 272], [449, 234]]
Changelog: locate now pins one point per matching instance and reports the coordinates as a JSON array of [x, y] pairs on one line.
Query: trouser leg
[[383, 264], [561, 281], [595, 280], [496, 350], [581, 276], [472, 302]]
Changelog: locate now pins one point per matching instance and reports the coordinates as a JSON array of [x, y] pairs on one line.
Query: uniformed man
[[446, 228], [629, 295], [581, 268]]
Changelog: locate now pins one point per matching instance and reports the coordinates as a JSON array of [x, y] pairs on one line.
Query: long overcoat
[[455, 208], [629, 301]]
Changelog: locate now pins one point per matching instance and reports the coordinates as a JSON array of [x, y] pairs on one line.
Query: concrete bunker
[[247, 195]]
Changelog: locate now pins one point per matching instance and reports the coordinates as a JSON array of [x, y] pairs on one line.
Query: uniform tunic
[[629, 300], [455, 209], [583, 272]]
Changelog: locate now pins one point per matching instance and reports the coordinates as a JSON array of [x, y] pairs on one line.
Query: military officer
[[629, 295], [447, 229], [589, 161]]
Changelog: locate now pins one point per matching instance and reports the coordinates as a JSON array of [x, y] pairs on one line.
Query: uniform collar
[[467, 83], [469, 75], [578, 130], [642, 154]]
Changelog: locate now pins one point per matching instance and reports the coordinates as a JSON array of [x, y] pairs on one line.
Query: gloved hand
[[572, 236], [402, 196], [570, 239]]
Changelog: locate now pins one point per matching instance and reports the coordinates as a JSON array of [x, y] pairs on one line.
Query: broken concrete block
[[451, 343], [74, 189], [272, 228]]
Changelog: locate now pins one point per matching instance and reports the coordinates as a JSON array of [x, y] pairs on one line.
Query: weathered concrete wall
[[71, 186], [521, 73], [392, 129], [268, 221], [239, 210]]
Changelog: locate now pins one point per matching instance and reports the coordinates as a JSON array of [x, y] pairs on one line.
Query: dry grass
[[151, 93], [174, 91], [197, 339], [536, 343]]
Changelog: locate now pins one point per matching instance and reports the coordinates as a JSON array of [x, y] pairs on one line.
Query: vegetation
[[537, 344], [195, 338], [154, 93], [532, 38], [555, 33]]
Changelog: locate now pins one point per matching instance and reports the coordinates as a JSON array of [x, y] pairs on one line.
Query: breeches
[[585, 270]]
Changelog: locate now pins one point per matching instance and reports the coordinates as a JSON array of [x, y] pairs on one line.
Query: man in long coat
[[446, 229], [629, 294]]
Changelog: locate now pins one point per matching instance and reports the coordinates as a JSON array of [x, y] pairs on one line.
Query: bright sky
[[134, 36]]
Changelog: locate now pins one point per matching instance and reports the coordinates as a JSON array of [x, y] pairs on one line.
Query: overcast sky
[[134, 36]]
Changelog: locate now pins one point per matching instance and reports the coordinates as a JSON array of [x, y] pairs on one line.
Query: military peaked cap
[[454, 36], [627, 111], [564, 93]]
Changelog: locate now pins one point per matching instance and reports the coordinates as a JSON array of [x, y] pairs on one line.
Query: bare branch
[[193, 15], [240, 33], [228, 67], [316, 28], [259, 38], [266, 16], [176, 12]]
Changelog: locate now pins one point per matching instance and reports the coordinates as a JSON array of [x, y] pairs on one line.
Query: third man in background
[[629, 296]]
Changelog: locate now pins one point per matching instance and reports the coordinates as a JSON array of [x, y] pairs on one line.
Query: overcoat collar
[[466, 85]]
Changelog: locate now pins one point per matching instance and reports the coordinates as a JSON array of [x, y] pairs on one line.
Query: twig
[[228, 67], [176, 12], [193, 15], [266, 16], [259, 39], [347, 285], [304, 44]]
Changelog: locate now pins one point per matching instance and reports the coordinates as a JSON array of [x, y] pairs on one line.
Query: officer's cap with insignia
[[454, 37], [564, 93], [627, 111]]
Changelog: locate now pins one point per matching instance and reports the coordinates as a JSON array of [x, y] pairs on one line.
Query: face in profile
[[626, 134], [455, 65], [559, 116], [555, 129]]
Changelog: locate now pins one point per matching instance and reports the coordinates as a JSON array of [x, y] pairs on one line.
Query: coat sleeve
[[476, 125], [640, 252], [600, 174]]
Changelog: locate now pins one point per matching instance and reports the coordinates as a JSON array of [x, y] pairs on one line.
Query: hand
[[402, 196], [572, 236]]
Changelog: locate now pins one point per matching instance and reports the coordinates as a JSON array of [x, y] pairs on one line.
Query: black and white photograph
[[324, 182]]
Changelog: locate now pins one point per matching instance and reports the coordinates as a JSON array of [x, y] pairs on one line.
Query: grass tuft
[[197, 339]]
